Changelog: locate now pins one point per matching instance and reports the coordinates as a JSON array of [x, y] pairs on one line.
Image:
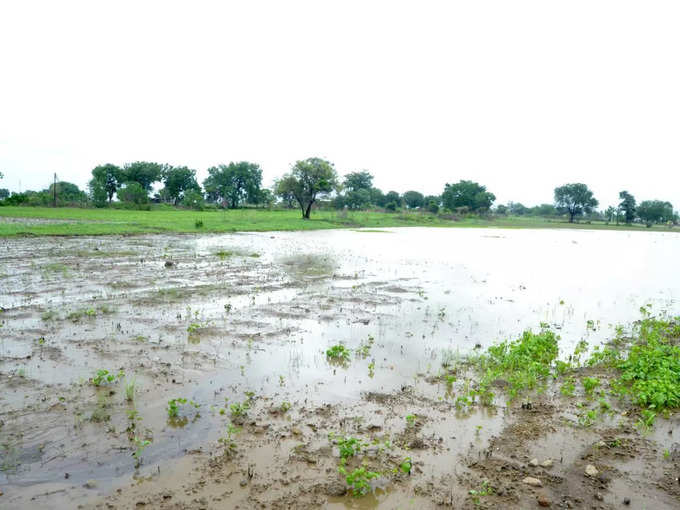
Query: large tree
[[627, 206], [468, 194], [234, 183], [413, 199], [357, 186], [575, 199], [133, 193], [106, 179], [67, 193], [308, 180], [178, 180], [358, 180], [143, 172], [655, 211]]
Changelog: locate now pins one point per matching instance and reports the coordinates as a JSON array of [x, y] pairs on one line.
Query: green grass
[[76, 221]]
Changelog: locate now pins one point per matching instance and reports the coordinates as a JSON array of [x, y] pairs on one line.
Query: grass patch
[[75, 221]]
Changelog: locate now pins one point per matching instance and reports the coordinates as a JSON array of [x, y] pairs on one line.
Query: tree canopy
[[413, 199], [308, 180], [655, 211], [575, 199], [627, 206], [132, 192], [143, 172], [235, 183], [106, 179], [468, 194], [177, 181]]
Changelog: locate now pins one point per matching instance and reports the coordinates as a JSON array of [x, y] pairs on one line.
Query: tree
[[308, 180], [413, 199], [611, 214], [543, 210], [234, 183], [4, 193], [358, 186], [377, 197], [575, 199], [193, 198], [502, 209], [517, 209], [106, 180], [67, 193], [468, 194], [179, 180], [392, 197], [286, 195], [133, 193], [356, 181], [144, 173], [357, 199], [627, 205], [655, 211]]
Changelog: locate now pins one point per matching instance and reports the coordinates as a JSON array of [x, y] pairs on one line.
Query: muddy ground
[[239, 326]]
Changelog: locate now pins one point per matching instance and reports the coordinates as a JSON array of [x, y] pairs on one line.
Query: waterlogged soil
[[238, 325]]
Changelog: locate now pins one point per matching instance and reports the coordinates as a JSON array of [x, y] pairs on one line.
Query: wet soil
[[240, 325]]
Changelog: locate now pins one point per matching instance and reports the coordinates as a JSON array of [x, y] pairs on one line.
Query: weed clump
[[524, 363], [338, 353]]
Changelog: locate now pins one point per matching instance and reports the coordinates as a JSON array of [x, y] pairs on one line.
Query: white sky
[[518, 95]]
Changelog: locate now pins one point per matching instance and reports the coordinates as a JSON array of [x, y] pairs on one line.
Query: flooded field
[[173, 371]]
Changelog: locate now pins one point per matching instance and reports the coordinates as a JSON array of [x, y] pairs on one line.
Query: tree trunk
[[308, 211]]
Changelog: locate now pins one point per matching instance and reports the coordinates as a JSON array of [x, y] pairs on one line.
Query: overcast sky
[[518, 95]]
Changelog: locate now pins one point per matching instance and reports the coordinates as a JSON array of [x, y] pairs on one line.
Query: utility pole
[[54, 189]]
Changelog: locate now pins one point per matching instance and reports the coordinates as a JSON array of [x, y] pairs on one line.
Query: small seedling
[[239, 409], [130, 389], [104, 377], [338, 353], [358, 480], [140, 445], [406, 466]]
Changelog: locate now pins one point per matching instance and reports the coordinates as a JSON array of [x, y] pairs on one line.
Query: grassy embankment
[[73, 221]]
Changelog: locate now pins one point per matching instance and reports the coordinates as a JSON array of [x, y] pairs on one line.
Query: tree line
[[314, 182]]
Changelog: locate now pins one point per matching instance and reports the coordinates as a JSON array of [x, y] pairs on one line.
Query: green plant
[[198, 224], [589, 384], [130, 389], [102, 376], [358, 480], [239, 409], [338, 353], [364, 348], [406, 466], [587, 418], [568, 387], [175, 403], [285, 407], [646, 420], [484, 490], [228, 440], [349, 447], [410, 420], [140, 446], [523, 363]]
